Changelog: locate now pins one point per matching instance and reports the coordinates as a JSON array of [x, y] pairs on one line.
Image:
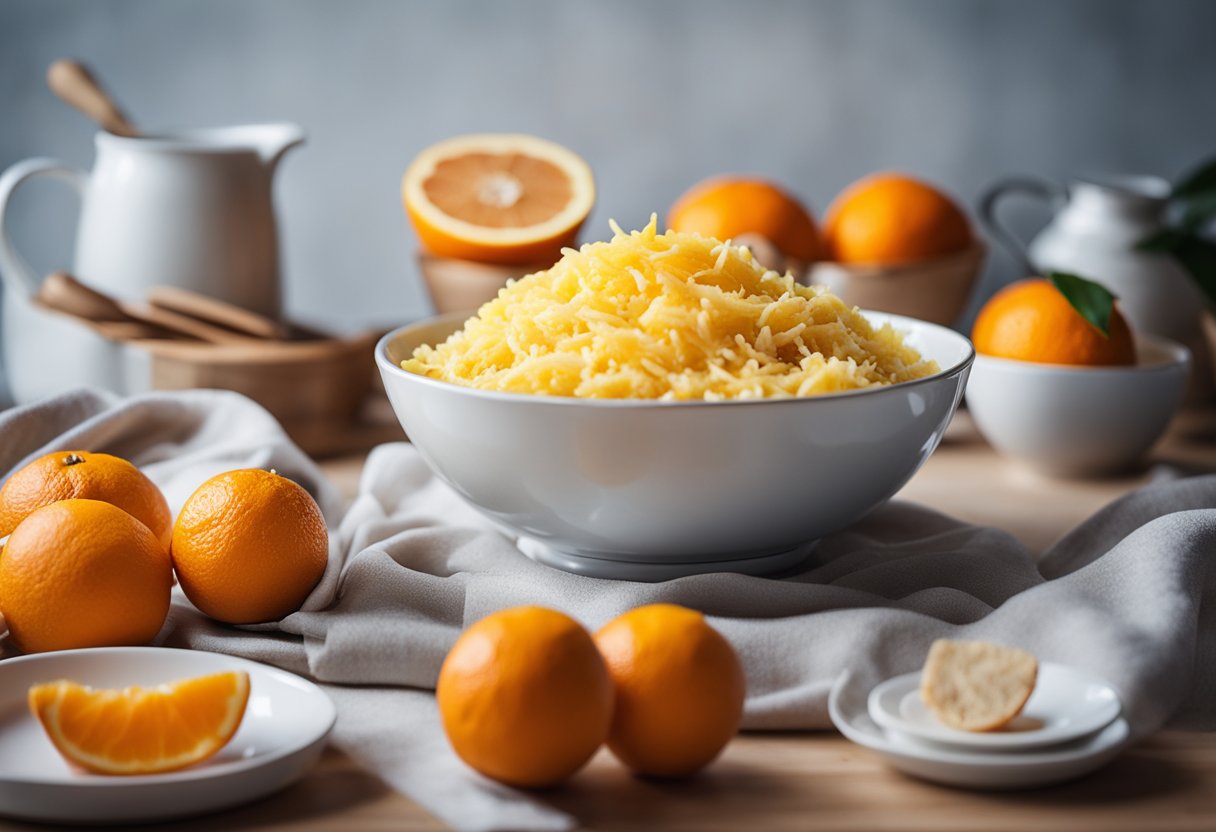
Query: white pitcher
[[190, 209], [1094, 233]]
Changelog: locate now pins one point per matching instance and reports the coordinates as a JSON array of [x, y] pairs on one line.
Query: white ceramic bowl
[[646, 490], [1079, 421]]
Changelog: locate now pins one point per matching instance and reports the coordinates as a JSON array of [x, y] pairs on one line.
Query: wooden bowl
[[463, 285], [314, 388], [934, 290]]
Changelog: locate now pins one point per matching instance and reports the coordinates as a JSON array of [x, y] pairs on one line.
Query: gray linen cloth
[[1129, 595]]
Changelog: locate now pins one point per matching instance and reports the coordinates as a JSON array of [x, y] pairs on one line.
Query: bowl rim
[[386, 365], [1174, 355]]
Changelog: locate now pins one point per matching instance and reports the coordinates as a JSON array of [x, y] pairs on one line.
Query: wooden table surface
[[818, 780]]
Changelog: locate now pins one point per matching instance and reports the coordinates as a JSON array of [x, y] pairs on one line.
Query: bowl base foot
[[619, 569]]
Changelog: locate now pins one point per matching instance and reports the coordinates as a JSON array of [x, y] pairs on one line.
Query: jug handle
[[1028, 186], [13, 267]]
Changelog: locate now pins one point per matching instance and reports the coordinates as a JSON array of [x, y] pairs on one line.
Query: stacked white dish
[[1071, 725]]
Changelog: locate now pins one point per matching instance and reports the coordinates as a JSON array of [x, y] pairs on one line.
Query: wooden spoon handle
[[65, 293], [98, 312], [215, 311], [183, 324], [121, 331], [72, 82]]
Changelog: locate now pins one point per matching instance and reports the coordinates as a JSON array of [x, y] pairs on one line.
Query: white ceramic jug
[[191, 209], [1094, 233]]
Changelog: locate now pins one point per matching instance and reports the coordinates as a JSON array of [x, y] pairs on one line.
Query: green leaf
[[1198, 257], [1167, 240], [1196, 197], [1093, 300], [1198, 181], [1198, 211]]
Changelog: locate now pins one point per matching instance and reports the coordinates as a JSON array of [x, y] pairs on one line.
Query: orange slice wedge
[[138, 730], [498, 198]]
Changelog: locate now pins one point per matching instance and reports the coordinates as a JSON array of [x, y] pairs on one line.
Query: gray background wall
[[656, 95]]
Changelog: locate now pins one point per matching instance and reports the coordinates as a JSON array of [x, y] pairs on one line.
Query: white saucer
[[283, 733], [994, 769], [1066, 704]]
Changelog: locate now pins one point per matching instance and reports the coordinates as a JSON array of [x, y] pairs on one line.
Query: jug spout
[[274, 140]]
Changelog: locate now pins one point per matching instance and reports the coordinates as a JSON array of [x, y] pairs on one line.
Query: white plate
[[997, 770], [1066, 704], [283, 733]]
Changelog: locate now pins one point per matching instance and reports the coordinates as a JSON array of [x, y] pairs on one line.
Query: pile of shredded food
[[670, 316]]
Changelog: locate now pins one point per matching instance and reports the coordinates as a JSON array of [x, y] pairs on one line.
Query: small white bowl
[[1079, 421], [647, 490]]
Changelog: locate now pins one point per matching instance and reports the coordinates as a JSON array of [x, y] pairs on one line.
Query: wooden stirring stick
[[213, 310], [64, 293], [74, 84], [130, 331]]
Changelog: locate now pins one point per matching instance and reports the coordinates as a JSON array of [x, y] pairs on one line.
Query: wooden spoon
[[216, 311], [74, 84], [128, 331], [64, 293]]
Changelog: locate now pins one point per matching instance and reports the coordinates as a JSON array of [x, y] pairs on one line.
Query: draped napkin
[[1129, 595]]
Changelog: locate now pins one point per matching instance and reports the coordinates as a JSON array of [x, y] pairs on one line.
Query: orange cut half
[[498, 198], [142, 730]]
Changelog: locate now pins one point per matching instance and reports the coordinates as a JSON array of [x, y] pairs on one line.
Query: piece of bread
[[976, 685]]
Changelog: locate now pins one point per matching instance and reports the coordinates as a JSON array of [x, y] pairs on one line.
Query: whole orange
[[249, 546], [63, 475], [83, 573], [729, 207], [679, 689], [525, 697], [890, 219], [1032, 321]]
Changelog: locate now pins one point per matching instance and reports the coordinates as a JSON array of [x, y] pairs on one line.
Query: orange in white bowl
[[1077, 421]]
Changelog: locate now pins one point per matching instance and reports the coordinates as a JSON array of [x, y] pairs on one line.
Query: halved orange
[[142, 731], [498, 198]]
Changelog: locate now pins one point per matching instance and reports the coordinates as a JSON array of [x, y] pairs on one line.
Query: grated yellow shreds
[[667, 316]]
